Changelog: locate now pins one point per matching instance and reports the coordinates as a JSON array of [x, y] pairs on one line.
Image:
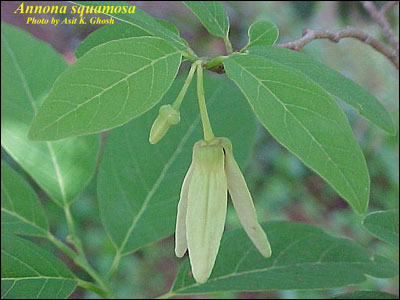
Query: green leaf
[[141, 20], [302, 117], [170, 26], [139, 183], [115, 32], [108, 33], [303, 257], [333, 82], [212, 15], [384, 225], [366, 295], [63, 168], [29, 272], [109, 86], [262, 33], [21, 211]]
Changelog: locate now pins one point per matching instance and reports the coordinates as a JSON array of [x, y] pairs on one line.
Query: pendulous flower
[[202, 206]]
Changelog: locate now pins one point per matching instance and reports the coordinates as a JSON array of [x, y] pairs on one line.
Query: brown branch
[[388, 5], [381, 20], [335, 36]]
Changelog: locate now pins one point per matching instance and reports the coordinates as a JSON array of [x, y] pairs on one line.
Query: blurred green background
[[283, 188]]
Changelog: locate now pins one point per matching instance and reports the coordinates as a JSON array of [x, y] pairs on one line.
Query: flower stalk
[[207, 130], [203, 199], [177, 103], [168, 114]]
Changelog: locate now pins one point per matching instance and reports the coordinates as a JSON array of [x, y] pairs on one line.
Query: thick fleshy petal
[[207, 200], [180, 230], [243, 202]]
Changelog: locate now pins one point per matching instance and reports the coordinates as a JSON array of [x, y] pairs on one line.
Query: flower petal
[[180, 230], [243, 202], [207, 200]]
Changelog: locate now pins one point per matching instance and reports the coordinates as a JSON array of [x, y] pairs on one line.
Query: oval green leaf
[[262, 33], [29, 272], [333, 82], [303, 117], [139, 19], [212, 15], [108, 33], [63, 168], [21, 211], [110, 85], [115, 32], [303, 257], [139, 183], [384, 225]]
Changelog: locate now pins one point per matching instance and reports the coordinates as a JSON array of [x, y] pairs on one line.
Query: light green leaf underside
[[110, 85], [303, 257], [302, 117], [384, 225], [139, 183], [28, 70], [21, 211], [333, 82], [366, 295], [262, 33], [141, 20], [28, 272], [212, 15], [115, 32]]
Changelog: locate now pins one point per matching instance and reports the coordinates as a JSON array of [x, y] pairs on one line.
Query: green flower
[[202, 206]]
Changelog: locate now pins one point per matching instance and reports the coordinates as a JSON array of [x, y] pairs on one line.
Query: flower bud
[[167, 116]]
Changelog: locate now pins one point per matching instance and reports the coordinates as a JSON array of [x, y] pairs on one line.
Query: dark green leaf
[[108, 33], [333, 82], [21, 211], [262, 33], [115, 32], [110, 85], [212, 15], [303, 257], [139, 183], [62, 168], [28, 272], [141, 20], [302, 117], [366, 295], [384, 225]]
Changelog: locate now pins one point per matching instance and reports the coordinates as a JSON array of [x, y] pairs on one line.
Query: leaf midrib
[[308, 132], [261, 35], [156, 185], [32, 102], [215, 16], [104, 90], [37, 277], [275, 268], [25, 220]]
